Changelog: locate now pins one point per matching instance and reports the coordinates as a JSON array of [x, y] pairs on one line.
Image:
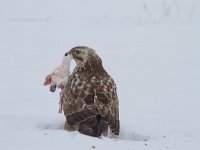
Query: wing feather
[[106, 100], [78, 102], [95, 101]]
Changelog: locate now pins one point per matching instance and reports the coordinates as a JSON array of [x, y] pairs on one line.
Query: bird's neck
[[93, 69]]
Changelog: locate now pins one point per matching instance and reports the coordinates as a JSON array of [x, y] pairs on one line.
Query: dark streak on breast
[[89, 99], [102, 98]]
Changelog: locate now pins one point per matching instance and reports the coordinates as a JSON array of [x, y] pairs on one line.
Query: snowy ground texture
[[150, 47]]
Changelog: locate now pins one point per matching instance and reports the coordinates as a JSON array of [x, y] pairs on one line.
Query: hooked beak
[[69, 53], [66, 54]]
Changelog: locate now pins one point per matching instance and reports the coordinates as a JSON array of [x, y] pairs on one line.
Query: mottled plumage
[[90, 96]]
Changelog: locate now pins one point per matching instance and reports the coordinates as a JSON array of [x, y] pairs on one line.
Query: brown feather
[[90, 99]]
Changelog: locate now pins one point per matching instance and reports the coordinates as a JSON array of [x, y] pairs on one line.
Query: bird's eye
[[77, 52]]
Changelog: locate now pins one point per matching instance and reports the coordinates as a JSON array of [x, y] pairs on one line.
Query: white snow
[[151, 49]]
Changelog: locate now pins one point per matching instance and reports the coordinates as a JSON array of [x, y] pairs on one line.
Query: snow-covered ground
[[150, 47]]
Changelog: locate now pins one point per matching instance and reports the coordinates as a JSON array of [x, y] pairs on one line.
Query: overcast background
[[150, 47]]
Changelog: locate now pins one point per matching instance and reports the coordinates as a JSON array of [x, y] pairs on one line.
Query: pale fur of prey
[[60, 75]]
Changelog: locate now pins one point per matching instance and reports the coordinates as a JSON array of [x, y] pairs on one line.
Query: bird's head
[[83, 55]]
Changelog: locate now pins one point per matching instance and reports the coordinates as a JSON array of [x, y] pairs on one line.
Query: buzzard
[[90, 101]]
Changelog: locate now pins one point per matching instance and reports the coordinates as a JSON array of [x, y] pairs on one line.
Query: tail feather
[[93, 127], [89, 127], [113, 123]]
